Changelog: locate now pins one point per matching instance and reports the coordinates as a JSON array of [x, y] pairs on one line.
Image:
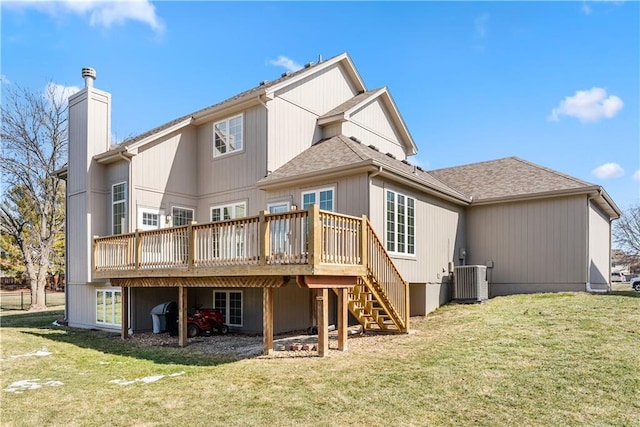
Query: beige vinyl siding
[[372, 125], [78, 156], [81, 305], [439, 233], [167, 166], [294, 112], [599, 248], [534, 245], [236, 170], [254, 198], [351, 194]]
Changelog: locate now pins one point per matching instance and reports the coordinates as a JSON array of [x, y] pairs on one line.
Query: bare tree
[[34, 146], [626, 232]]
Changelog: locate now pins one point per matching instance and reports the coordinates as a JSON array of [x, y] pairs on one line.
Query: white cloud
[[481, 25], [100, 13], [287, 63], [588, 106], [586, 9], [636, 175], [4, 80], [608, 171], [59, 93]]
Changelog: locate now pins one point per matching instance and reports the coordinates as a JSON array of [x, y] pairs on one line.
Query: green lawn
[[552, 359]]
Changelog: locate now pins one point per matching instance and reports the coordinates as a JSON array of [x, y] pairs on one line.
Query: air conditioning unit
[[470, 283]]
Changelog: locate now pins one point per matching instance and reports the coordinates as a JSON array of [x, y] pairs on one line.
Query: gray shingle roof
[[347, 105], [339, 151], [508, 177]]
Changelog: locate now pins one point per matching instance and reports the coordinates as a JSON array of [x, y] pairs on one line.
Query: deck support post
[[267, 320], [343, 318], [182, 316], [124, 313], [322, 300]]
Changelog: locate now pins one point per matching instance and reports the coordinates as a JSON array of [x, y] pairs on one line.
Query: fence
[[22, 300]]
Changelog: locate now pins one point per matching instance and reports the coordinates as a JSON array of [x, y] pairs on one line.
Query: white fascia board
[[412, 148]]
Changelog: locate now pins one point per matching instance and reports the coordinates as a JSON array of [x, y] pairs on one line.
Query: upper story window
[[322, 197], [400, 221], [232, 211], [181, 216], [227, 136], [119, 207]]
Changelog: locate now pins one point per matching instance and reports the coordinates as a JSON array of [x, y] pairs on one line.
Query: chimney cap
[[88, 72]]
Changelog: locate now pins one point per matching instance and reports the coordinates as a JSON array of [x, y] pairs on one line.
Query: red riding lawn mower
[[205, 320]]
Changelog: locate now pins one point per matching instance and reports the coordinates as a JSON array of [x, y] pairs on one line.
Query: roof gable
[[351, 107]]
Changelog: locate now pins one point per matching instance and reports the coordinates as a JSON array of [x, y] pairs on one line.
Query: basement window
[[108, 307]]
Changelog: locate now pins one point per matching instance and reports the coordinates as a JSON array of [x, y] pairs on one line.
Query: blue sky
[[555, 83]]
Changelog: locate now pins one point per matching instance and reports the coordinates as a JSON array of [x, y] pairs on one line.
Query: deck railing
[[386, 276], [296, 237]]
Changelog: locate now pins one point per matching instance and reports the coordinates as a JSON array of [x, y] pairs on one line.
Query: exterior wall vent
[[391, 155], [373, 147], [470, 283], [353, 138]]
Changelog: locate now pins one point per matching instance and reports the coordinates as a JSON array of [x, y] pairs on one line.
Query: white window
[[279, 230], [229, 242], [227, 136], [322, 197], [108, 307], [119, 207], [150, 219], [230, 304], [231, 211], [181, 216], [400, 221]]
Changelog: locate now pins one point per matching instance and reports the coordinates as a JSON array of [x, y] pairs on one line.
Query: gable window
[[400, 221], [108, 306], [181, 216], [322, 197], [119, 207], [230, 305], [227, 136]]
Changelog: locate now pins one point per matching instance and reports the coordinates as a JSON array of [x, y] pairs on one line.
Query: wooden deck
[[322, 250]]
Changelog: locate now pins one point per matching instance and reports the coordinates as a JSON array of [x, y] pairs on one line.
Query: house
[[262, 205]]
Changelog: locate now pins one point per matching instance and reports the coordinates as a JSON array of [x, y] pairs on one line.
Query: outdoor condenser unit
[[470, 283]]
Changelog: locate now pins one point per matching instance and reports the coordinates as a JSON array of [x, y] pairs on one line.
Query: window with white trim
[[322, 197], [279, 230], [227, 136], [108, 307], [119, 208], [150, 219], [400, 223], [231, 211], [230, 305], [181, 216], [230, 241]]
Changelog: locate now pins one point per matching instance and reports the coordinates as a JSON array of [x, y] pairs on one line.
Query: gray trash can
[[159, 318]]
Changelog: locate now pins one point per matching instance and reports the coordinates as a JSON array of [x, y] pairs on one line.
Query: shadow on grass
[[632, 294], [107, 342]]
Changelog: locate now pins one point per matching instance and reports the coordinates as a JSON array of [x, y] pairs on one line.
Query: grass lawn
[[549, 359]]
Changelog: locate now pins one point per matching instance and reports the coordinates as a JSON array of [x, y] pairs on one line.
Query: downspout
[[266, 151], [129, 198]]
